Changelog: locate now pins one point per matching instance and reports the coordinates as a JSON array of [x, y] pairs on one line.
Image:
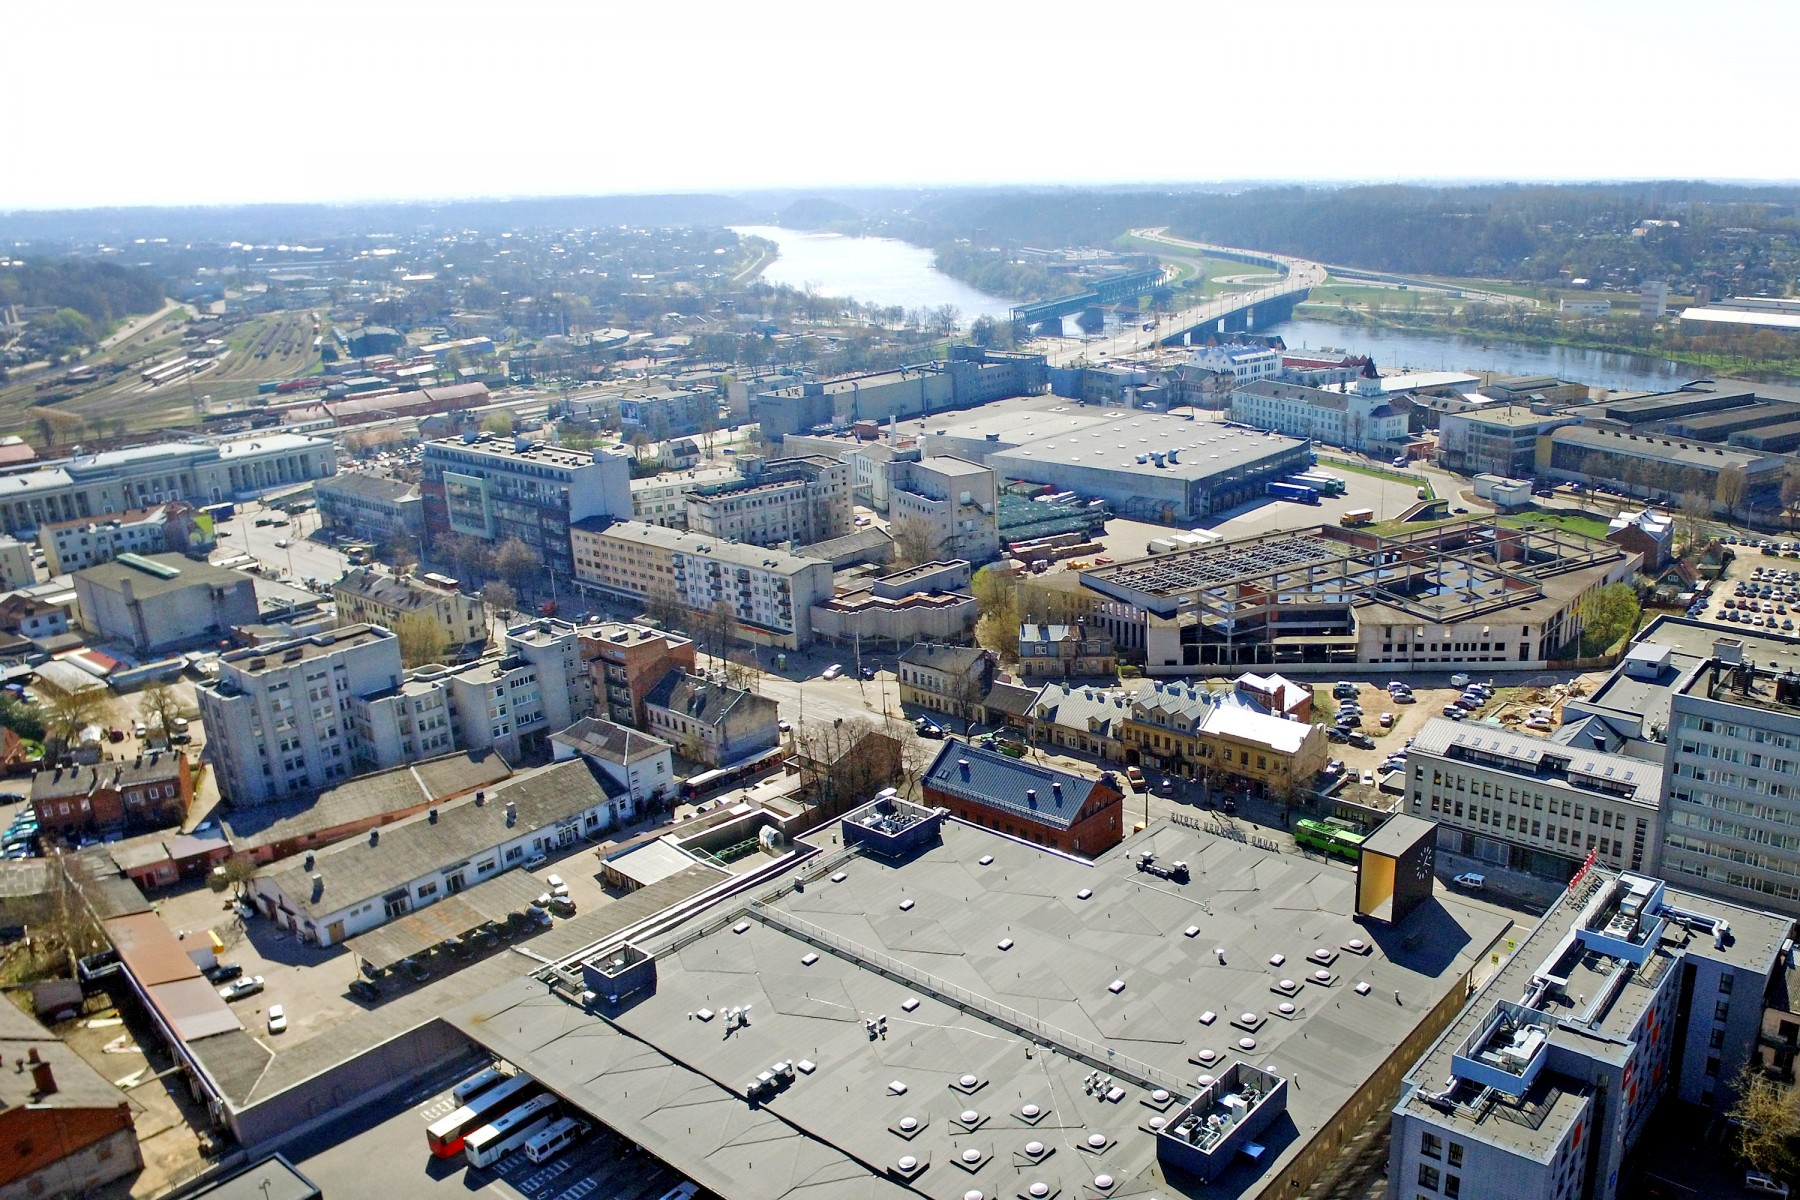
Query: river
[[1396, 348], [888, 271], [873, 270]]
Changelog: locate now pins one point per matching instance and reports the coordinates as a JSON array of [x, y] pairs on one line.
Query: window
[[1428, 1177], [1456, 1154], [1431, 1145], [1453, 1186]]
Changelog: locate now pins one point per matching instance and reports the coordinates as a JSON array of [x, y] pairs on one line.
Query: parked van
[[549, 1143]]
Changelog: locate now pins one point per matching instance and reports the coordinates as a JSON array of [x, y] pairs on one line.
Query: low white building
[[333, 894], [1358, 417], [662, 499], [640, 763], [1245, 364]]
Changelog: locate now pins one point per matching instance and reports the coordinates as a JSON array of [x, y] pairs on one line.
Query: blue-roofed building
[[1037, 804]]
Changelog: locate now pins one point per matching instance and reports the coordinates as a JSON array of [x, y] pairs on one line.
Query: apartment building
[[946, 679], [770, 591], [1066, 651], [278, 717], [1626, 992], [662, 499], [369, 506], [71, 545], [796, 501], [952, 499], [1531, 803], [153, 791], [374, 596], [1243, 364], [16, 568], [1358, 418], [711, 722], [1228, 738], [93, 486], [495, 489], [625, 661]]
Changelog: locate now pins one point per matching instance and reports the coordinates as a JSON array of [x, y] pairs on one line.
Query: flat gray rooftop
[[952, 954]]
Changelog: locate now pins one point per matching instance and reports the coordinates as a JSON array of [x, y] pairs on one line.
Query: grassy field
[[1582, 523], [278, 346], [1412, 481]]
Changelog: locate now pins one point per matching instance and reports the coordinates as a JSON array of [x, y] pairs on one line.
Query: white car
[[1471, 881], [557, 886], [1759, 1184], [833, 671], [277, 1019]]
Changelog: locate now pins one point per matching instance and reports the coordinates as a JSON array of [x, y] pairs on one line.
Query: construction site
[[1468, 593]]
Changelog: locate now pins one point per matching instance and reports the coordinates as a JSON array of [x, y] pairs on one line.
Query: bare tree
[[844, 762], [500, 597], [66, 714], [1695, 511], [160, 706], [915, 542], [1768, 1116], [640, 442], [1729, 490], [518, 564], [1790, 495], [422, 639]]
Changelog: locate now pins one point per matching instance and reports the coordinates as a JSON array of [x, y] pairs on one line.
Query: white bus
[[480, 1081], [553, 1141], [491, 1143]]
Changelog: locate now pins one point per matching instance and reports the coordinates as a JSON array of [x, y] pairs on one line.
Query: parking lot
[[1760, 589], [369, 1156]]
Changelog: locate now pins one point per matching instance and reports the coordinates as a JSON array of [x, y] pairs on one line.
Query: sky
[[185, 102]]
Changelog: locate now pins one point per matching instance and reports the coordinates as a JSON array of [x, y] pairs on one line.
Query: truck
[[223, 511], [1319, 481], [1299, 493], [1358, 516]]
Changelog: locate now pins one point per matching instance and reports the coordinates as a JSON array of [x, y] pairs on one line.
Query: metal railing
[[1101, 1058]]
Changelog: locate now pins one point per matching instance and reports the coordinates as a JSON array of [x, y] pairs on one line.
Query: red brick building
[[1041, 805], [151, 792], [626, 661], [64, 1131]]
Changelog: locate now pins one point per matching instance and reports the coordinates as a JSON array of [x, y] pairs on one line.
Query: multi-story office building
[[375, 508], [625, 661], [1533, 804], [797, 501], [71, 545], [1625, 992], [662, 499], [1499, 439], [1733, 761], [953, 500], [1358, 417], [368, 596], [770, 591], [117, 481], [495, 489], [277, 717]]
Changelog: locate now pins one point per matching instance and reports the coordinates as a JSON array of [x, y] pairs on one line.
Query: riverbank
[[1770, 368]]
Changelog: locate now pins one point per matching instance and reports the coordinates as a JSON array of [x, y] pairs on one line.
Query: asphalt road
[[302, 557]]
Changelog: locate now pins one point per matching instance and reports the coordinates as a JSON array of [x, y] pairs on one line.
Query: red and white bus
[[445, 1137]]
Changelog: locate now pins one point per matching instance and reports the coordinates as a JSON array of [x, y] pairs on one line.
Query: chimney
[[512, 812], [374, 837], [318, 882], [43, 1080], [309, 860], [963, 765], [1031, 797], [1056, 787], [431, 816], [480, 799]]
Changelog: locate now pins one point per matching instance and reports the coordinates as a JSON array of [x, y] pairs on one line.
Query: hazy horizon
[[214, 104]]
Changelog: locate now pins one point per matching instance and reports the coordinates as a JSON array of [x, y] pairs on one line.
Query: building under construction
[[1468, 593]]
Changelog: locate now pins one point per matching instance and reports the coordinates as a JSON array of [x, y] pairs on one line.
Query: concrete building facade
[[786, 500], [155, 602], [367, 596], [371, 507], [1357, 418], [625, 661], [711, 722], [495, 489], [952, 501]]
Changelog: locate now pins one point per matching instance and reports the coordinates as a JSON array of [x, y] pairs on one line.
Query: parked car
[[1470, 881], [223, 972], [362, 989], [783, 726], [1759, 1184], [833, 671], [277, 1019], [1362, 741], [928, 729], [1460, 679], [238, 989], [1338, 734], [868, 672], [1166, 787], [1368, 778], [537, 859], [1387, 720], [1135, 777]]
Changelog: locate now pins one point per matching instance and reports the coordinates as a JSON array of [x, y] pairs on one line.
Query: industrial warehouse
[[1470, 593], [1187, 1008], [1149, 465]]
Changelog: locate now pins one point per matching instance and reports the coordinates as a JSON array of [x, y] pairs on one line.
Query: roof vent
[[431, 816], [512, 812], [1031, 797], [480, 799], [963, 765], [318, 882], [309, 860], [374, 837]]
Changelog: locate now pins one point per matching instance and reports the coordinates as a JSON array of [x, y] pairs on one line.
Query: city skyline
[[215, 104]]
